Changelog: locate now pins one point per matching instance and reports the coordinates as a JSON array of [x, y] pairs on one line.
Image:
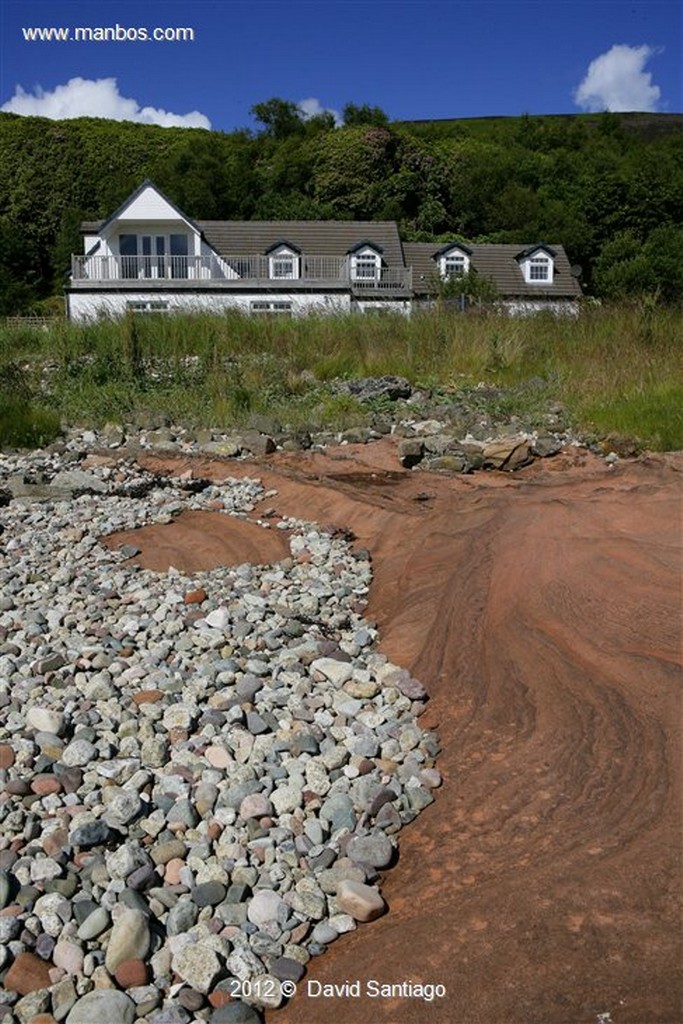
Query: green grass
[[615, 369]]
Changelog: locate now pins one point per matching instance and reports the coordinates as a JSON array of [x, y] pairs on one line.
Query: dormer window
[[366, 262], [539, 268], [453, 261], [284, 262], [538, 265]]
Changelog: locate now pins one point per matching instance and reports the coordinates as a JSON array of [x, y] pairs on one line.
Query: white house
[[149, 256]]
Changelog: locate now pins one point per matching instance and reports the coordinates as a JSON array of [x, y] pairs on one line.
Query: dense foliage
[[609, 187]]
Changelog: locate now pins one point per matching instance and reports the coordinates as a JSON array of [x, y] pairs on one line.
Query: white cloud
[[85, 97], [617, 81], [311, 107]]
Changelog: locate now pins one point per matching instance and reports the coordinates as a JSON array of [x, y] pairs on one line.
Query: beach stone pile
[[202, 777]]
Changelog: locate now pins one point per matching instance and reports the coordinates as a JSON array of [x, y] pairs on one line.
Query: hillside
[[610, 187]]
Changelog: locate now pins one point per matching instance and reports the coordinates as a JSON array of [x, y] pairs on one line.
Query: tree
[[354, 115], [280, 118], [628, 268]]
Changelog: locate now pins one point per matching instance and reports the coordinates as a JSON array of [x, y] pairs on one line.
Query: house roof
[[315, 237], [500, 263]]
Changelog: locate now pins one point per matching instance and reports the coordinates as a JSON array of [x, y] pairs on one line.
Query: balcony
[[243, 273]]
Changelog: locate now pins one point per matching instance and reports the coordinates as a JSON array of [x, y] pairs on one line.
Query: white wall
[[83, 306]]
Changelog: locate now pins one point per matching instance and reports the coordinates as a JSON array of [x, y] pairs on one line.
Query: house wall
[[149, 205], [83, 306], [531, 307]]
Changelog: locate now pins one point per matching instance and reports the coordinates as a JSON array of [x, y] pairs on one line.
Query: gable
[[147, 203]]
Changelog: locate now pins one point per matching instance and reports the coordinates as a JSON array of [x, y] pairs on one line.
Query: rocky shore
[[202, 776]]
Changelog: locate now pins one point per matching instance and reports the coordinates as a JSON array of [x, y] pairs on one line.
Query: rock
[[102, 1005], [255, 805], [376, 849], [89, 833], [94, 924], [198, 965], [507, 453], [129, 939], [208, 894], [45, 720], [336, 671], [27, 974], [338, 811], [132, 974], [265, 907], [410, 452], [79, 753], [32, 1007], [286, 798], [78, 480], [362, 902], [69, 957], [368, 389]]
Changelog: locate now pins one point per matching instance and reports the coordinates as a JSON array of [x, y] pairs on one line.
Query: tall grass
[[616, 369]]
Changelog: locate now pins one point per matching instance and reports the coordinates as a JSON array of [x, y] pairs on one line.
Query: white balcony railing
[[237, 270]]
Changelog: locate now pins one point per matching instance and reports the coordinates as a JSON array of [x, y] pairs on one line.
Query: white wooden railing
[[259, 270]]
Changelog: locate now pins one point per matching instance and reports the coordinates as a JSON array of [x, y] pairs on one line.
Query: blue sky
[[414, 58]]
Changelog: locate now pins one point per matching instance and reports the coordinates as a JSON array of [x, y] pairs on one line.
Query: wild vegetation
[[608, 187], [615, 369]]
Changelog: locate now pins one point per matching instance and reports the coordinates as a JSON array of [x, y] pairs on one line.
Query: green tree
[[354, 115], [280, 118]]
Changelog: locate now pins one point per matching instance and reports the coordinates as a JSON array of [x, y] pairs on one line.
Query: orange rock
[[6, 756], [147, 697], [132, 973], [27, 974], [195, 596]]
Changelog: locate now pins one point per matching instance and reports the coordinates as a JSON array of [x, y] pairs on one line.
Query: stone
[[362, 902], [266, 906], [376, 849], [132, 974], [103, 1005], [27, 974], [89, 833], [198, 965], [507, 453], [129, 939], [410, 452], [208, 894], [94, 924], [256, 805], [33, 1005], [79, 753], [45, 720], [69, 957], [338, 672], [286, 798]]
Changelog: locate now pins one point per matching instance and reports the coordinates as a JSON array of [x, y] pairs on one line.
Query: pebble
[[362, 902], [129, 939], [213, 764], [102, 1005]]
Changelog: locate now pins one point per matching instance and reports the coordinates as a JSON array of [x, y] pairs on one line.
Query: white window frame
[[539, 269], [457, 257], [366, 265], [284, 264], [147, 306], [263, 307]]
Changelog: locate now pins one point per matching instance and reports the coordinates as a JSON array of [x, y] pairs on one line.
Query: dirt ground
[[542, 610]]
